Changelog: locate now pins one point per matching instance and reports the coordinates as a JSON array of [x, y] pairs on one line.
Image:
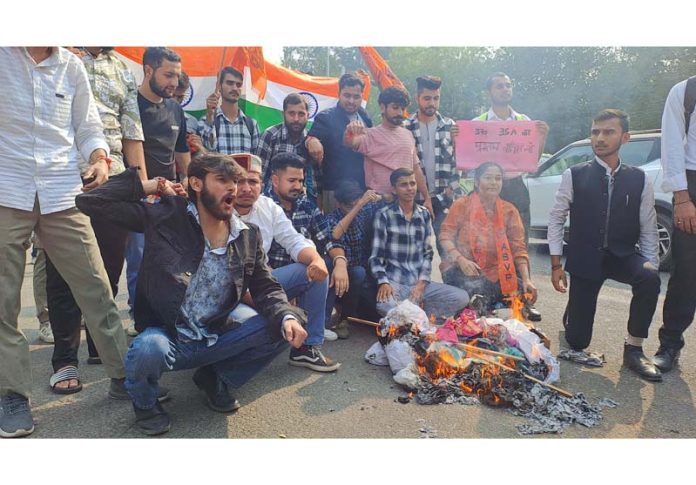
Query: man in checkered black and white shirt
[[289, 137], [402, 254], [434, 135], [226, 129]]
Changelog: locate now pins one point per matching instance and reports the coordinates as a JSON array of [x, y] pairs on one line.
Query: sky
[[273, 53]]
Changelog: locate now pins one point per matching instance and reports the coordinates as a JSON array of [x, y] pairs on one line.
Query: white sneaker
[[330, 335], [45, 333], [132, 332]]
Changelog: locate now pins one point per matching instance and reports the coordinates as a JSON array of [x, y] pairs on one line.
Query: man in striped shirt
[[50, 115]]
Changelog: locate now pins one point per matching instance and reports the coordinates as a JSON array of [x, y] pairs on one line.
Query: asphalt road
[[359, 401]]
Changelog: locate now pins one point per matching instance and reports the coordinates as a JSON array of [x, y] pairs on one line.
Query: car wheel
[[664, 239]]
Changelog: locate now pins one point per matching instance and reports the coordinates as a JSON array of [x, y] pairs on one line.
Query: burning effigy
[[472, 359]]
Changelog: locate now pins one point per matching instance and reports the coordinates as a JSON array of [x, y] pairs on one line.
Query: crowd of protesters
[[239, 243]]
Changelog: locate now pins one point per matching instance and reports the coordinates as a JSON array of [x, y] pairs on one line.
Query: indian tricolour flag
[[264, 88]]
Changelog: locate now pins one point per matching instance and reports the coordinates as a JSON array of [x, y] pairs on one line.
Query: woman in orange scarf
[[483, 241]]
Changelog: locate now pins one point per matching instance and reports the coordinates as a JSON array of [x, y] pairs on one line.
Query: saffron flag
[[265, 84], [379, 68]]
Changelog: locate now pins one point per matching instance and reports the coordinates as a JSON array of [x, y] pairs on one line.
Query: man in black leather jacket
[[199, 259]]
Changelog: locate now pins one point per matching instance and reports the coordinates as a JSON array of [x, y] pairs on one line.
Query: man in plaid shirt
[[289, 136], [286, 190], [351, 225], [434, 135], [402, 255], [306, 278], [226, 129]]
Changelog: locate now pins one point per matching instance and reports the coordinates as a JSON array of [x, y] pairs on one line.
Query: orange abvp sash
[[481, 238]]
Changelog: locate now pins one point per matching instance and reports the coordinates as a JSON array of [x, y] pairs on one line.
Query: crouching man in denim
[[198, 260]]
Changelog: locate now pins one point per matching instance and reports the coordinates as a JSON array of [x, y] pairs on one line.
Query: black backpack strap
[[250, 125], [689, 101], [217, 127]]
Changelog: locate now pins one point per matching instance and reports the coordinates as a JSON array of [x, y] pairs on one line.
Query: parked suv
[[642, 150]]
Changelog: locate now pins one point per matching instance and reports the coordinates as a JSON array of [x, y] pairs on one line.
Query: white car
[[643, 150]]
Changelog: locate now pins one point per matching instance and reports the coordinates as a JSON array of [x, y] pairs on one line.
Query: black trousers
[[680, 302], [516, 192], [439, 210], [63, 312], [582, 302]]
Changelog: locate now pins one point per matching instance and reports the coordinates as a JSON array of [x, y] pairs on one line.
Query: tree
[[313, 60], [565, 86]]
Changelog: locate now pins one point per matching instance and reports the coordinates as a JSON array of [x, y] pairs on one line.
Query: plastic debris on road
[[473, 360], [581, 357]]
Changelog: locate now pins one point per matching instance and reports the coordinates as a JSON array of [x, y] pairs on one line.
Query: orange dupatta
[[480, 241]]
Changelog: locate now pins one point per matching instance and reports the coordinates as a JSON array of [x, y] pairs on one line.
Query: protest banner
[[514, 145]]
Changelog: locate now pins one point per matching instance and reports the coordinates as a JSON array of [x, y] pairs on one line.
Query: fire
[[517, 305], [467, 389], [439, 364], [487, 377]]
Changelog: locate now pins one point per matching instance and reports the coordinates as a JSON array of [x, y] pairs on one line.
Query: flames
[[485, 374], [467, 353], [440, 364], [517, 304]]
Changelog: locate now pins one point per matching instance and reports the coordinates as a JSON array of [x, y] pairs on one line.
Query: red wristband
[[161, 184]]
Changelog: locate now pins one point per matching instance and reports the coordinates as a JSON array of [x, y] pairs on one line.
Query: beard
[[213, 206], [397, 120], [159, 91], [429, 111], [295, 128], [291, 196]]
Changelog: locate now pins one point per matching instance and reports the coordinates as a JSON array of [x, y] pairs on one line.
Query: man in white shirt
[[50, 114], [612, 210], [306, 279], [679, 166]]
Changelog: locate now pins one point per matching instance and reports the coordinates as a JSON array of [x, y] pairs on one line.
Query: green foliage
[[564, 86]]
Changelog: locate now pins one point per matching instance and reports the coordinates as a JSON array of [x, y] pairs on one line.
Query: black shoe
[[152, 421], [311, 357], [117, 390], [635, 359], [533, 315], [218, 396], [666, 358]]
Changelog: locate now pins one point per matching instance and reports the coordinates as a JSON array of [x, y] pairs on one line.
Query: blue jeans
[[134, 256], [438, 299], [236, 356], [349, 301], [311, 298]]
